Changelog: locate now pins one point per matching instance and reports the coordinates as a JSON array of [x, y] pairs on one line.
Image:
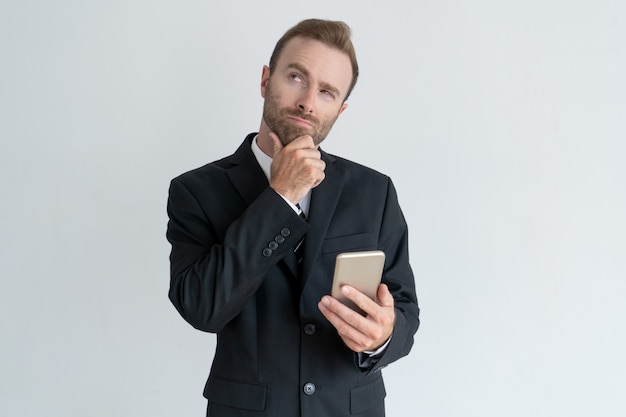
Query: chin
[[289, 135]]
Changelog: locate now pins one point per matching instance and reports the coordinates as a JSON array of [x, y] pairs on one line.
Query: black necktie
[[299, 249]]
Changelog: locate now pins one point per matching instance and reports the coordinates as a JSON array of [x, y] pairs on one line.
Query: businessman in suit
[[254, 239]]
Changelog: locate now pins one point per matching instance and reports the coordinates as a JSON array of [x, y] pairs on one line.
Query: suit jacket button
[[310, 329], [279, 239], [309, 388], [285, 232], [273, 245], [267, 252]]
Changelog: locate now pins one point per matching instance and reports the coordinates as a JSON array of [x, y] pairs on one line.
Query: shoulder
[[354, 170], [218, 168], [202, 176]]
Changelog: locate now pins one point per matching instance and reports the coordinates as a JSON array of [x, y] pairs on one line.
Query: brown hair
[[332, 33]]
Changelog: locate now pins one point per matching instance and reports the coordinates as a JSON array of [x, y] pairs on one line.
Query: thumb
[[278, 145], [385, 298]]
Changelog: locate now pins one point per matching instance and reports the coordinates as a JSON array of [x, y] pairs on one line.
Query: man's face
[[305, 93]]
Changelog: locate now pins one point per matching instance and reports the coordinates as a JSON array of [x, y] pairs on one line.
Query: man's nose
[[306, 101]]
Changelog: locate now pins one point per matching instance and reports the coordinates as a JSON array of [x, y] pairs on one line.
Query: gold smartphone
[[361, 270]]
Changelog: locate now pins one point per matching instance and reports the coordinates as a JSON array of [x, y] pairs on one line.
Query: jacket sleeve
[[399, 278], [218, 261]]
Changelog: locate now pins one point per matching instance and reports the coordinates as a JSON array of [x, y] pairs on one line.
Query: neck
[[264, 141]]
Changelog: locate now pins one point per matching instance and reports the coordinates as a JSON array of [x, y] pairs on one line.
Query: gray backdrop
[[501, 122]]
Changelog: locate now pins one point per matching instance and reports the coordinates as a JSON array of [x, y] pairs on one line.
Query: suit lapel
[[324, 199], [245, 174]]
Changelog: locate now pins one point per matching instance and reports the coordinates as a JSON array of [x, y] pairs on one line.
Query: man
[[254, 240]]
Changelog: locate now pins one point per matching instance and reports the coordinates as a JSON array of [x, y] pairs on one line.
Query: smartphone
[[361, 270]]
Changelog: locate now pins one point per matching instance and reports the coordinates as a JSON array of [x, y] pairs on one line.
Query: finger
[[278, 145], [339, 313], [346, 321], [361, 300], [355, 330], [319, 180], [380, 314], [304, 141]]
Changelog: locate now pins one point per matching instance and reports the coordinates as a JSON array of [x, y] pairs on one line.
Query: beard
[[275, 118]]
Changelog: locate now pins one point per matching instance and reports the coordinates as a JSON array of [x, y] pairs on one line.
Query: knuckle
[[343, 330], [377, 334], [382, 318], [352, 318]]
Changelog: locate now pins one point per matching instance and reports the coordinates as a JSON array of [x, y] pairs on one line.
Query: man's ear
[[343, 107], [265, 77]]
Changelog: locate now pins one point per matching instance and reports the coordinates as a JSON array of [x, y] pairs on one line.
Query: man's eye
[[296, 77], [328, 94]]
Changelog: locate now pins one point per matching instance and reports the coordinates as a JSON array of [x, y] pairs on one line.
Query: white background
[[501, 123]]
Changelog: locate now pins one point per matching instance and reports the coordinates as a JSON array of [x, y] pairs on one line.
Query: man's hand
[[357, 332], [296, 168]]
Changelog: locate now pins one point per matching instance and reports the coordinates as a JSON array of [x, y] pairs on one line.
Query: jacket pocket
[[245, 395], [359, 241], [367, 396]]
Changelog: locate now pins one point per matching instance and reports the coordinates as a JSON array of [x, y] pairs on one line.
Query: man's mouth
[[299, 121]]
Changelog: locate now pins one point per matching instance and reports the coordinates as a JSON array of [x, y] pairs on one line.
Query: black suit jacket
[[234, 273]]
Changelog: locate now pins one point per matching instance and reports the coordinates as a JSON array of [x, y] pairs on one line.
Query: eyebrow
[[323, 84]]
